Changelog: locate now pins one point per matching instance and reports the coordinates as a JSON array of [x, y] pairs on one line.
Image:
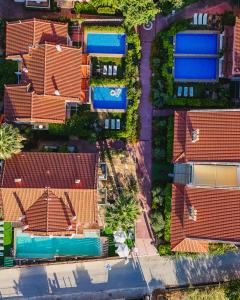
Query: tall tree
[[10, 141], [123, 213]]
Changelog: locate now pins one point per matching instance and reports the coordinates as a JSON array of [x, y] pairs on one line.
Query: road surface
[[91, 280]]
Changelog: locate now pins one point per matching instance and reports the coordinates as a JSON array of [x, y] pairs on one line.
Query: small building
[[52, 196], [206, 188]]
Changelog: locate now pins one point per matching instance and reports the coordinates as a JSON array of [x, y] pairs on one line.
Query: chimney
[[25, 70], [74, 218], [77, 181], [16, 180], [195, 135], [59, 48], [57, 93], [70, 227], [192, 213], [26, 227]]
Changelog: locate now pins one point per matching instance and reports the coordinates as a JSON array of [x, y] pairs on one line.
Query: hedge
[[195, 102], [106, 11], [107, 82], [99, 28]]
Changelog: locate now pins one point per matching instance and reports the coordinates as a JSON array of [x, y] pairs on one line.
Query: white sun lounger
[[110, 70], [179, 91], [1, 248], [105, 70], [106, 124], [205, 19], [1, 253], [195, 19], [191, 91], [1, 228], [1, 223], [115, 68], [112, 123], [185, 91], [200, 19], [118, 124]]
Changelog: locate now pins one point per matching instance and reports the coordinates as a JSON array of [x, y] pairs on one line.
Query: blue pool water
[[106, 43], [195, 68], [48, 247], [195, 43], [104, 98]]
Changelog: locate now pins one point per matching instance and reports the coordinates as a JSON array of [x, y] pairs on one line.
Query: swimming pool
[[109, 97], [106, 43], [196, 43], [195, 68], [49, 247]]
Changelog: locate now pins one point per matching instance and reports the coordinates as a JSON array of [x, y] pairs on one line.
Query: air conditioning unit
[[40, 126]]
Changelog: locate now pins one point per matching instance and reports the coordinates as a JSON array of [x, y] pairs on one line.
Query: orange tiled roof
[[219, 137], [71, 178], [50, 68], [24, 105], [22, 34], [217, 208], [236, 48], [49, 214], [54, 170], [217, 216]]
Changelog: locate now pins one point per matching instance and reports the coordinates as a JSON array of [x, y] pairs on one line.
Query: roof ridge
[[34, 20], [45, 66]]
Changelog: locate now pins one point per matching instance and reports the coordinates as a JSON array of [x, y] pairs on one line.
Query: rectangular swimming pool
[[106, 43], [109, 97], [49, 247], [196, 43], [195, 68]]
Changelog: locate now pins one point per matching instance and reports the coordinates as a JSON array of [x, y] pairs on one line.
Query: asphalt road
[[91, 280]]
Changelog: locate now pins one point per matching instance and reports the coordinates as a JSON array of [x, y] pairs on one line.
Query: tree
[[10, 141], [232, 290], [137, 12], [123, 213]]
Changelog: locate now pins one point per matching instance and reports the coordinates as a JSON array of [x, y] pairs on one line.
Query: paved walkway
[[91, 280], [144, 147]]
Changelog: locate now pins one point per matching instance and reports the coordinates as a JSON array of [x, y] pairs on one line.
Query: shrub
[[164, 249], [107, 82], [232, 290], [170, 134], [157, 199], [157, 223], [221, 248], [84, 7], [99, 28], [228, 18]]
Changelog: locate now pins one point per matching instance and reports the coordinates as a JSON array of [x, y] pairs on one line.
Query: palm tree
[[10, 141], [123, 213]]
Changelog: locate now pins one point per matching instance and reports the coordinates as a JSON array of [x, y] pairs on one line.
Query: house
[[41, 4], [51, 194], [206, 187], [53, 76]]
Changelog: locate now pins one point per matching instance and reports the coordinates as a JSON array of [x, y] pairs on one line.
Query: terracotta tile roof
[[218, 138], [49, 214], [17, 102], [20, 35], [49, 69], [217, 208], [24, 105], [71, 180], [236, 48], [16, 201], [53, 170], [217, 216]]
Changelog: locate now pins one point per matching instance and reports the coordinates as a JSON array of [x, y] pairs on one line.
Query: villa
[[205, 192], [46, 90], [52, 196], [54, 76]]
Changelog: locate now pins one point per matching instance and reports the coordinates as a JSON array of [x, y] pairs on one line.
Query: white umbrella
[[123, 250], [120, 236]]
